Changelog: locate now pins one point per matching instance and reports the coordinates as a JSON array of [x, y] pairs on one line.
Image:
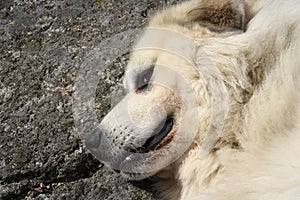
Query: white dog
[[213, 106]]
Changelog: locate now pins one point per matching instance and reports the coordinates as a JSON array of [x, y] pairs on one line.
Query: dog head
[[169, 102]]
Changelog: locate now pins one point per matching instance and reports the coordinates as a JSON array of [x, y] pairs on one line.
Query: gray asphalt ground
[[42, 46]]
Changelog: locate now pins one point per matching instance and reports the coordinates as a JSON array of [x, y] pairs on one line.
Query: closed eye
[[138, 78], [143, 79], [144, 86]]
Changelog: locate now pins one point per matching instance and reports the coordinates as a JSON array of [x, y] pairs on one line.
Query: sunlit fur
[[255, 45]]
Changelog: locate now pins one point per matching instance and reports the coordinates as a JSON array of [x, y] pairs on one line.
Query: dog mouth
[[160, 139]]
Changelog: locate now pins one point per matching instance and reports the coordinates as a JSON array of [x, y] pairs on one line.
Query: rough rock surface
[[43, 43]]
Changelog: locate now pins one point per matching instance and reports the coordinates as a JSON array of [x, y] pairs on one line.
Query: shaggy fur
[[262, 69], [255, 46]]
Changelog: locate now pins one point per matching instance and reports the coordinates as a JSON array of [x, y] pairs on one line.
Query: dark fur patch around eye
[[138, 78], [144, 77]]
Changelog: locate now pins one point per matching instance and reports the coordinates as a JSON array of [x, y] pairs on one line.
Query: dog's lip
[[159, 140]]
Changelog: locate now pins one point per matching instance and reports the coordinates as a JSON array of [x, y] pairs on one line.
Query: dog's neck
[[241, 77]]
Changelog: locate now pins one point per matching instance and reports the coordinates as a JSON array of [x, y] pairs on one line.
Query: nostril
[[93, 140]]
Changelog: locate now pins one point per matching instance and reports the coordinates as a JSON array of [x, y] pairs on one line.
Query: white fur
[[257, 155], [265, 122], [269, 166]]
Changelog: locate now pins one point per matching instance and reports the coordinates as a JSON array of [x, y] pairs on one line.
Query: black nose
[[93, 140]]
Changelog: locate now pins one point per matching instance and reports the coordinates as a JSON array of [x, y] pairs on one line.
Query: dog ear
[[219, 15]]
